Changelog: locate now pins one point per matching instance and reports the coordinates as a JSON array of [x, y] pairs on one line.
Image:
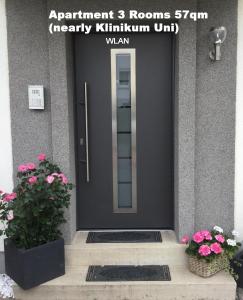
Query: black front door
[[124, 132]]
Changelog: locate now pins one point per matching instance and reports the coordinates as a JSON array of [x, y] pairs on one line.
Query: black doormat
[[128, 273], [125, 237]]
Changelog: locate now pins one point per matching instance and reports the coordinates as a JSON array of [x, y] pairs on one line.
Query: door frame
[[119, 210], [61, 64]]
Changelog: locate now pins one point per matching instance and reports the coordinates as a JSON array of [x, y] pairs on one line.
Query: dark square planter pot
[[31, 267]]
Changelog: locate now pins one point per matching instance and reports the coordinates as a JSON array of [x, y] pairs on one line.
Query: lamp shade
[[217, 35]]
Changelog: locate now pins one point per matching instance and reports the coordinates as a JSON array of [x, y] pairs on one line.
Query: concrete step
[[183, 286], [168, 252]]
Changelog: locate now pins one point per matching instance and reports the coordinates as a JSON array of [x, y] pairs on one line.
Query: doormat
[[128, 273], [125, 237]]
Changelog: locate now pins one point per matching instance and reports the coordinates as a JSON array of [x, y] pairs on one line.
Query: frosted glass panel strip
[[124, 130]]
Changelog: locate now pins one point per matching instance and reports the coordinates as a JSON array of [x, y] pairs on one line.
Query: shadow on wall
[[2, 263]]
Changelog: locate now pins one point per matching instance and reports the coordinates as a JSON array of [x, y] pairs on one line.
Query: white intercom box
[[36, 96]]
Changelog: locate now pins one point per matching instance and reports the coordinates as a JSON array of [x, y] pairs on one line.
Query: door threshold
[[124, 229]]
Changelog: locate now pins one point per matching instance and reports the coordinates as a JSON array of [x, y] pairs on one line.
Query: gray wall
[[204, 102], [28, 64], [215, 119]]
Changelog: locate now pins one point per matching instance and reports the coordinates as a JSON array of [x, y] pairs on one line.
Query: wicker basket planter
[[206, 269]]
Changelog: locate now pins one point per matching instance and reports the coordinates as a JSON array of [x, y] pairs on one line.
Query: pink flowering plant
[[208, 245], [33, 212]]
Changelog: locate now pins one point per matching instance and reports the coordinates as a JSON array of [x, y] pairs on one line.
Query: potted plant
[[32, 215], [210, 251]]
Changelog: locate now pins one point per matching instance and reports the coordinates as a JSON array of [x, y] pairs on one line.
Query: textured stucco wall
[[184, 129], [61, 83], [239, 128], [28, 64], [204, 108], [215, 119]]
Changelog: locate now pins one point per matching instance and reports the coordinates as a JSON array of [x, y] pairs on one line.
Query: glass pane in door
[[124, 129]]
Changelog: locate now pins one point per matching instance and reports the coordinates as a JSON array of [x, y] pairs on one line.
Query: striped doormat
[[124, 237]]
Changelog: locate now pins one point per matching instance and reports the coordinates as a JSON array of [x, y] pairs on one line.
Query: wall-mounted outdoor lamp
[[217, 36]]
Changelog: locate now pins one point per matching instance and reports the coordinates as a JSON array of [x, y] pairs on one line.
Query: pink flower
[[32, 179], [55, 174], [10, 215], [50, 178], [208, 237], [64, 178], [6, 198], [220, 238], [41, 157], [185, 239], [216, 248], [22, 168], [12, 196], [31, 166], [1, 192], [198, 237], [9, 197], [204, 250], [205, 233]]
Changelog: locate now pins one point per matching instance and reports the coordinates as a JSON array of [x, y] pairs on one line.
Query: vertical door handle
[[86, 130]]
